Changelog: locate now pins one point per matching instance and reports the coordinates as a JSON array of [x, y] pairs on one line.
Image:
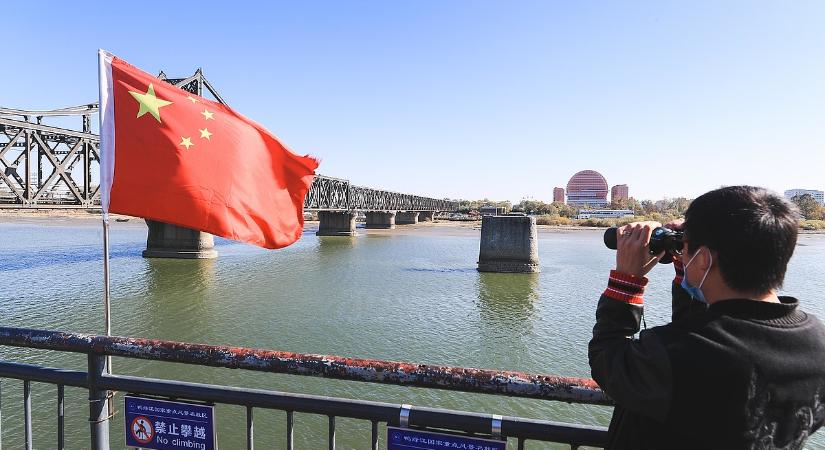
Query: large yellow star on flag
[[186, 142], [149, 103]]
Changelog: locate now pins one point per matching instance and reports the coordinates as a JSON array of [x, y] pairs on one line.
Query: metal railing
[[100, 383]]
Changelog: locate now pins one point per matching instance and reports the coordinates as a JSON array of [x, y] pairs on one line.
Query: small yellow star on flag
[[205, 133], [192, 99], [207, 114], [186, 142], [149, 103]]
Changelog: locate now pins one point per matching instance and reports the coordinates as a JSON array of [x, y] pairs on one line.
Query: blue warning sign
[[409, 439], [167, 425]]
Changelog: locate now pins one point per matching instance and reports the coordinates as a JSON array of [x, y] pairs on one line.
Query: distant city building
[[619, 192], [819, 196], [603, 213], [558, 195], [492, 210], [587, 187]]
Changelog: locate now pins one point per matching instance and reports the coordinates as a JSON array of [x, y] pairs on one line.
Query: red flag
[[178, 158]]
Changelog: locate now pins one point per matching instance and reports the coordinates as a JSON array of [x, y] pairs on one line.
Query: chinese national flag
[[175, 157]]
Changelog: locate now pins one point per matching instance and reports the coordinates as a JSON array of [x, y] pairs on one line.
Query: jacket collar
[[784, 312]]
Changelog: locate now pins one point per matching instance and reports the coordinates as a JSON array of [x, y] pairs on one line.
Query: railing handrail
[[509, 383], [389, 413]]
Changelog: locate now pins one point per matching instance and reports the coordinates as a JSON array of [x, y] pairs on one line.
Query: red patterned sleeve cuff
[[626, 288], [680, 270]]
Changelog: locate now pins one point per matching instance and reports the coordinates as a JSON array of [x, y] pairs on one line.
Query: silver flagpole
[[106, 306], [107, 313], [104, 80], [103, 83]]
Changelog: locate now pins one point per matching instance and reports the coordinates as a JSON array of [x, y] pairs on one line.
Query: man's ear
[[706, 258]]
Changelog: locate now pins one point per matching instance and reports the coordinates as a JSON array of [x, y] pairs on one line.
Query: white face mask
[[696, 292]]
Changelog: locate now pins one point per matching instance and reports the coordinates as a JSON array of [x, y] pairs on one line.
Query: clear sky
[[472, 99]]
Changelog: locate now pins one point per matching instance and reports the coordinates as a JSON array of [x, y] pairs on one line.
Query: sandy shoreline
[[88, 217]]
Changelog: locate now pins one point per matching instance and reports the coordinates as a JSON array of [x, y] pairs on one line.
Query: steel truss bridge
[[48, 166]]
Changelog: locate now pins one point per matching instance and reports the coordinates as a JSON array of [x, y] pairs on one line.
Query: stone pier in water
[[171, 241], [407, 217], [380, 219], [508, 244], [336, 223]]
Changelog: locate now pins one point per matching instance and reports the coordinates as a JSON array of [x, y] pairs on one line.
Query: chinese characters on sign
[[165, 425], [408, 439]]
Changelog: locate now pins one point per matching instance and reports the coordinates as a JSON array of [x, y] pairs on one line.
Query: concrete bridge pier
[[336, 223], [380, 219], [407, 218], [426, 216], [509, 244], [171, 241]]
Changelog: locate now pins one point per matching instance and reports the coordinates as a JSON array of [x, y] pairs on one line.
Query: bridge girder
[[39, 165], [335, 194]]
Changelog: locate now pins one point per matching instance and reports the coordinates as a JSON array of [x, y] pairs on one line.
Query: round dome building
[[587, 187]]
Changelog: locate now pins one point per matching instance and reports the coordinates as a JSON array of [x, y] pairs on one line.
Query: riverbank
[[61, 216], [87, 217]]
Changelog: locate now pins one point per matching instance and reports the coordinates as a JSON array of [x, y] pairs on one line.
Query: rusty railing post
[[98, 404]]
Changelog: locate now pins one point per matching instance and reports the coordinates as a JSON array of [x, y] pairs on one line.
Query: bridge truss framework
[[45, 166]]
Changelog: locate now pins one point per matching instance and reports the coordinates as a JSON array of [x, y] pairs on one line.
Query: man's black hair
[[752, 230]]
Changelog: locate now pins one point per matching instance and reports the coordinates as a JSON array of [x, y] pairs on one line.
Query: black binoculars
[[662, 239]]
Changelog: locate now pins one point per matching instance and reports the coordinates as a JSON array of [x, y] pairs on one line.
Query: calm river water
[[411, 294]]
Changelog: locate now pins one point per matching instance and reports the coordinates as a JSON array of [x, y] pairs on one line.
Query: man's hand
[[632, 248], [676, 225]]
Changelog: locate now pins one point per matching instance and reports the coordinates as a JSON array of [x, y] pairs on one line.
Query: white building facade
[[604, 213], [819, 196]]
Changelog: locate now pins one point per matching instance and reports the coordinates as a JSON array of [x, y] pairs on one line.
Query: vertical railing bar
[[521, 443], [290, 427], [1, 414], [250, 438], [61, 443], [331, 432], [374, 435], [98, 403], [27, 412]]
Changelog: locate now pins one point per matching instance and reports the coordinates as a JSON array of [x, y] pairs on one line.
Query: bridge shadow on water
[[181, 275], [506, 301], [335, 243], [175, 296]]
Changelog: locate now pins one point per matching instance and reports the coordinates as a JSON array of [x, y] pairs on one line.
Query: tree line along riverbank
[[550, 220], [807, 225], [664, 210]]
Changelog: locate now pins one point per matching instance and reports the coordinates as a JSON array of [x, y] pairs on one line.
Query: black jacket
[[738, 374]]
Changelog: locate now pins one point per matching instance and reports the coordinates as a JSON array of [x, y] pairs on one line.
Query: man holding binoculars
[[738, 366]]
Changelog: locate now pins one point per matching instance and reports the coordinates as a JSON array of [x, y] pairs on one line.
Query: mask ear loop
[[691, 259], [710, 255]]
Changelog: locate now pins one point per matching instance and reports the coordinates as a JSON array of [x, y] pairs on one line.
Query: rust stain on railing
[[510, 383]]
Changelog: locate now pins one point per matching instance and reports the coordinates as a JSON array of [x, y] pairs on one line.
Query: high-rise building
[[819, 196], [619, 192], [587, 187], [558, 195]]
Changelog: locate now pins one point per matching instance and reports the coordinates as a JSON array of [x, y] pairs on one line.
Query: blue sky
[[475, 99]]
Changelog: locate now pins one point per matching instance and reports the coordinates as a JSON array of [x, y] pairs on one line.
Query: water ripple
[[34, 259]]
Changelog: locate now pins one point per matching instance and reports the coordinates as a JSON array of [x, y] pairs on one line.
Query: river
[[410, 294]]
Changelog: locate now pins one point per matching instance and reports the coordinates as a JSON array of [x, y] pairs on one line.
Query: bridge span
[[50, 166]]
